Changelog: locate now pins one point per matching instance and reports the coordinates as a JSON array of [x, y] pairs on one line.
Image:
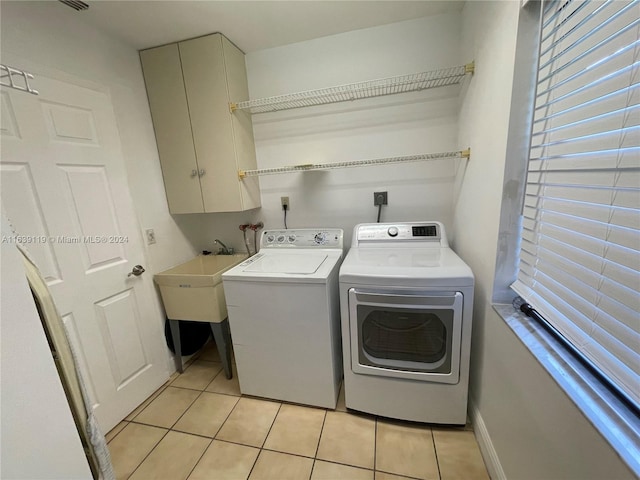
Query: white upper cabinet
[[202, 145]]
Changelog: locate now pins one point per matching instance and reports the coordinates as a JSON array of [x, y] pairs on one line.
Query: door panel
[[63, 179], [22, 205], [67, 123], [93, 205], [397, 326], [8, 125], [118, 316]]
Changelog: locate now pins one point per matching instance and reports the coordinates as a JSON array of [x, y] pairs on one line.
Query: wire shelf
[[357, 91], [15, 78], [355, 163]]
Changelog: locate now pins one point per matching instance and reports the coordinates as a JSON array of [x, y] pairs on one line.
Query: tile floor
[[199, 427]]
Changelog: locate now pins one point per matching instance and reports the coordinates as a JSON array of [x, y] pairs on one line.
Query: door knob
[[137, 271]]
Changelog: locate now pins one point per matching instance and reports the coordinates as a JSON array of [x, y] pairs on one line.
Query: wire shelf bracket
[[466, 154], [15, 78], [357, 91]]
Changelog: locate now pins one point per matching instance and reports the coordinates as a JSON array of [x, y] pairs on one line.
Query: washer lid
[[288, 264]]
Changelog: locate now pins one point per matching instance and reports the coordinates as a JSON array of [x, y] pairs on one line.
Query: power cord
[[379, 202], [285, 208]]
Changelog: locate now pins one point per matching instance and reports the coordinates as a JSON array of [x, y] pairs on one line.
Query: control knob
[[320, 238], [393, 231]]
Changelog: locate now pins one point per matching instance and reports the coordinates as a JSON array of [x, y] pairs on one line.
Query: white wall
[[391, 126], [536, 431]]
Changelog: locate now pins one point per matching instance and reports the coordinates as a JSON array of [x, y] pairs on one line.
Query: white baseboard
[[489, 453]]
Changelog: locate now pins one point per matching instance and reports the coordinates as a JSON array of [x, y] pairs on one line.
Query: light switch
[[151, 236]]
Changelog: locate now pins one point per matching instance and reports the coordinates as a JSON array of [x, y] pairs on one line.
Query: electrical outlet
[[379, 198], [284, 201], [151, 236]]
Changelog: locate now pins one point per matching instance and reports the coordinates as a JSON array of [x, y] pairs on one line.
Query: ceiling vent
[[75, 4]]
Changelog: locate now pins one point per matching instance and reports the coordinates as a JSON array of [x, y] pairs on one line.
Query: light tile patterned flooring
[[199, 427]]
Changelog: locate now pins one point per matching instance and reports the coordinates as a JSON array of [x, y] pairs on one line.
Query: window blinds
[[580, 242]]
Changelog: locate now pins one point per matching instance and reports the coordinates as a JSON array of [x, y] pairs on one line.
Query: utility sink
[[193, 290]]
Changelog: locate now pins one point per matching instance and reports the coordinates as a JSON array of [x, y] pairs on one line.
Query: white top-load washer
[[406, 305], [284, 316]]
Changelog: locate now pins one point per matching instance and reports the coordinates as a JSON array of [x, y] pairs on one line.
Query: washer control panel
[[399, 232], [302, 238]]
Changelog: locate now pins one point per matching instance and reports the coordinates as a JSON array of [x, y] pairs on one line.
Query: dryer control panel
[[413, 232], [302, 238]]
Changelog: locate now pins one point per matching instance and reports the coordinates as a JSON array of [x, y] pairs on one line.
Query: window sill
[[615, 422]]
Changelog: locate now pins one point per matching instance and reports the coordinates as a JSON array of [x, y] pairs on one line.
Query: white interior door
[[64, 187]]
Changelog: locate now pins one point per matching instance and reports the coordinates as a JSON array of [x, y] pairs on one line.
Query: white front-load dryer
[[406, 307], [284, 316]]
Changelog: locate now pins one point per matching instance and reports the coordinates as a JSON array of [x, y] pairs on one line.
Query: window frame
[[615, 421]]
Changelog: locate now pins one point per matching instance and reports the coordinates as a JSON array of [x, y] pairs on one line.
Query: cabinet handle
[[194, 173], [202, 172]]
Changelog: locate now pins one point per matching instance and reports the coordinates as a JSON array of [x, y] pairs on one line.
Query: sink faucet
[[224, 250]]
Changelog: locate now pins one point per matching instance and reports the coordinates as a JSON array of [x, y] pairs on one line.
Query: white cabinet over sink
[[201, 144]]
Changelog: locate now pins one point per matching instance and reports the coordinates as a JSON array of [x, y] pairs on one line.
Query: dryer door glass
[[411, 336], [406, 338]]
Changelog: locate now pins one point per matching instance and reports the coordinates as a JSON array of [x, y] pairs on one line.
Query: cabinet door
[[206, 86], [170, 114]]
